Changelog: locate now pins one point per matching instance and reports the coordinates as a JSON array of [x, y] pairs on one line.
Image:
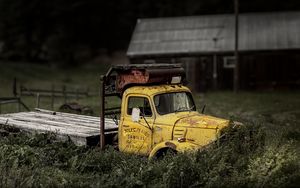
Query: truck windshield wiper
[[192, 107], [181, 109]]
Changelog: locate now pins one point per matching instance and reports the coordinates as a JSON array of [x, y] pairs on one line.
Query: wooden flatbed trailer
[[80, 129]]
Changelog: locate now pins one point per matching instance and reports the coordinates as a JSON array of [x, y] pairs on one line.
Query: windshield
[[174, 102]]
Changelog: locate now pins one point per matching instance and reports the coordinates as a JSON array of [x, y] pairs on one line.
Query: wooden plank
[[77, 139], [41, 127], [83, 117], [65, 118], [78, 128], [67, 114], [9, 101], [74, 121], [62, 120], [59, 124], [88, 119], [45, 126]]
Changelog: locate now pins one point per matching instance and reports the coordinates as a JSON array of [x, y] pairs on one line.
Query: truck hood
[[193, 127], [192, 120]]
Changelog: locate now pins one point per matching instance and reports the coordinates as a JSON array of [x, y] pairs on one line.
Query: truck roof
[[156, 89]]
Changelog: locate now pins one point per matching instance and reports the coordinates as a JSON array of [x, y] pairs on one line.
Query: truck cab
[[161, 116], [166, 119]]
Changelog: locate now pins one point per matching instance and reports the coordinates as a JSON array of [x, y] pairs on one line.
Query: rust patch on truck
[[133, 76], [170, 145], [190, 121], [146, 76]]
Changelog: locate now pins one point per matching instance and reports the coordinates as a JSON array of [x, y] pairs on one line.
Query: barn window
[[229, 62]]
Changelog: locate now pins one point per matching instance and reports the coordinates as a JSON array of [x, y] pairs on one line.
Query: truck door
[[136, 136]]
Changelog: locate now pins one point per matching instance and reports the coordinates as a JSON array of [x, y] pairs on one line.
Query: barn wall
[[270, 71], [258, 70]]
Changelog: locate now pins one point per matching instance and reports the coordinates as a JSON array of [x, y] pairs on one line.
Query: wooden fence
[[13, 100], [53, 92], [56, 92]]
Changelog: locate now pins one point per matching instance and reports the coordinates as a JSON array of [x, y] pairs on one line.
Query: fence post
[[38, 100], [87, 91], [77, 97], [64, 93], [18, 104], [15, 93], [21, 90], [52, 96]]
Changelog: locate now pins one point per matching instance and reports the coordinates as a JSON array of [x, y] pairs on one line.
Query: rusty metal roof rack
[[143, 66], [120, 77]]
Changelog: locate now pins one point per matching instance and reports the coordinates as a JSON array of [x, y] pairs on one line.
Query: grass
[[43, 76], [267, 158]]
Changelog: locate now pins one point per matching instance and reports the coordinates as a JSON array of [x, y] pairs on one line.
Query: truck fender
[[173, 145]]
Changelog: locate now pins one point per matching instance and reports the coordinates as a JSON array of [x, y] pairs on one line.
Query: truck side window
[[139, 102]]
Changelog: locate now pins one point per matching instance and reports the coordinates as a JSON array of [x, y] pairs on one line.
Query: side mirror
[[135, 115]]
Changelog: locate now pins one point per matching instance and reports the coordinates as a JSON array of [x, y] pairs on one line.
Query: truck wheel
[[164, 152]]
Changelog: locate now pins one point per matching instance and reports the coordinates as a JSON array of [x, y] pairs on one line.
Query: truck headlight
[[182, 139]]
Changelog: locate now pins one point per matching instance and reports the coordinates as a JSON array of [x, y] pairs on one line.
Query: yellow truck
[[157, 113]]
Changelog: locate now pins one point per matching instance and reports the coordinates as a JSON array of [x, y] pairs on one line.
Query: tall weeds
[[242, 159]]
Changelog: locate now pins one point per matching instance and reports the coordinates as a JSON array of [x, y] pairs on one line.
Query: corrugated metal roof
[[215, 33]]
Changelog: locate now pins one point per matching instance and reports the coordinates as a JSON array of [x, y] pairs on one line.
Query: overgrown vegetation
[[242, 159]]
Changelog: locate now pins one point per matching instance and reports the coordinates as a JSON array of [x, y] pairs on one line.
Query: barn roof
[[215, 34]]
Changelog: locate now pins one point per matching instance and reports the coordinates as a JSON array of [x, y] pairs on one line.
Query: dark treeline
[[55, 30]]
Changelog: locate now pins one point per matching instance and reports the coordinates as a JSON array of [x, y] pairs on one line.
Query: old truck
[[157, 112]]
